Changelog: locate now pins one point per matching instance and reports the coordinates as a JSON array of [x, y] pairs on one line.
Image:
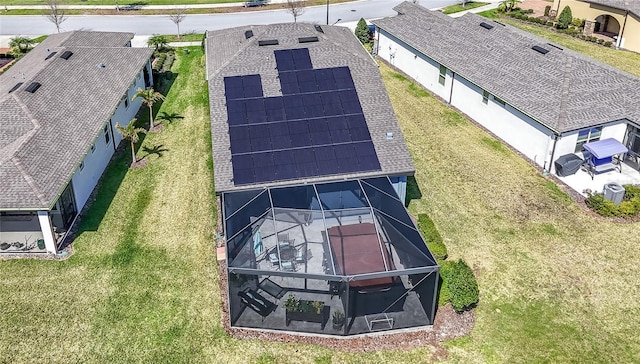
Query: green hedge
[[630, 206], [462, 287], [432, 237]]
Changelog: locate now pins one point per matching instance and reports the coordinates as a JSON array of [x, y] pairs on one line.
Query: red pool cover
[[357, 251]]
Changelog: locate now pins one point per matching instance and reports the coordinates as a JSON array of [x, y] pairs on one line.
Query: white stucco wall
[[419, 67], [515, 128], [567, 141], [518, 130], [85, 179]]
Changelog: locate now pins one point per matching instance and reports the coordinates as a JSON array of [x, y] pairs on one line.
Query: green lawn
[[458, 7], [624, 60], [556, 284]]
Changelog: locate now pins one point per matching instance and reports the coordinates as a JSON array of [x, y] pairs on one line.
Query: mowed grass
[[625, 60], [142, 285], [458, 7], [556, 285]]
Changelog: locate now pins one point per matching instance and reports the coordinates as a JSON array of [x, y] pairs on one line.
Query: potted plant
[[305, 310], [292, 304], [318, 305], [338, 319]]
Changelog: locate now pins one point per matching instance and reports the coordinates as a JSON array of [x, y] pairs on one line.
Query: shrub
[[445, 270], [597, 203], [600, 41], [168, 62], [565, 18], [630, 206], [607, 44], [462, 287], [159, 62], [549, 23], [362, 31], [631, 192], [159, 42], [546, 10], [432, 237], [528, 11], [577, 22]]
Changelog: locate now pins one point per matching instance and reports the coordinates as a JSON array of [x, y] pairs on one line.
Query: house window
[[81, 165], [586, 136], [443, 74], [107, 137], [499, 100], [93, 147], [485, 97], [126, 102]]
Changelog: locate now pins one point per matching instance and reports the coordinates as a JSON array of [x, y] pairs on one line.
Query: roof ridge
[[244, 46], [367, 59], [27, 177], [564, 93]]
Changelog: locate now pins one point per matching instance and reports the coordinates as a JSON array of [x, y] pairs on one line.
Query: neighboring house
[[58, 109], [619, 19], [543, 100], [311, 165]]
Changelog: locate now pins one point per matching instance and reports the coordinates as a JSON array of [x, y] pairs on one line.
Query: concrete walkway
[[493, 5], [137, 7]]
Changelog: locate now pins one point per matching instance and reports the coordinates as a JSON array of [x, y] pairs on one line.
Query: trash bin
[[613, 192]]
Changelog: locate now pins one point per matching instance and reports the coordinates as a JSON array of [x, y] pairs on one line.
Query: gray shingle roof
[[230, 54], [45, 135], [633, 6], [562, 89]]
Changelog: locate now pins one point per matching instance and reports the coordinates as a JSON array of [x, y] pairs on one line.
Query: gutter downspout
[[619, 43], [553, 152], [558, 9], [453, 79]]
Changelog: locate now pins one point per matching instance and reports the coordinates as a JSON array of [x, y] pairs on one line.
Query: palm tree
[[20, 44], [131, 132], [149, 97]]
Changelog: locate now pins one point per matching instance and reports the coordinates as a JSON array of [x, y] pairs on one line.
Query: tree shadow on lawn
[[413, 191], [109, 183], [157, 150]]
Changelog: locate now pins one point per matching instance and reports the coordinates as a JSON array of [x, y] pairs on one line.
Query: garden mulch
[[448, 325]]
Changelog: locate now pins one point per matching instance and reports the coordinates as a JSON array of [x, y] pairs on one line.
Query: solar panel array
[[316, 128]]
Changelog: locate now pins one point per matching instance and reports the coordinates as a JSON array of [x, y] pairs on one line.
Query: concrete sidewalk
[[493, 5], [124, 8]]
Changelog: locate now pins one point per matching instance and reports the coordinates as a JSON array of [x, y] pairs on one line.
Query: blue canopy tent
[[602, 153]]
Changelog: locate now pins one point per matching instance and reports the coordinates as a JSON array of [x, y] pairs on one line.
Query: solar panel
[[66, 54], [284, 171], [284, 60], [302, 59], [321, 137], [315, 128]]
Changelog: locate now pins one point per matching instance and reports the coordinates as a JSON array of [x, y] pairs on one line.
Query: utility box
[[613, 192]]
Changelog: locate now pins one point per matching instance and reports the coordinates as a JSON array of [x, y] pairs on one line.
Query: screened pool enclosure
[[339, 258]]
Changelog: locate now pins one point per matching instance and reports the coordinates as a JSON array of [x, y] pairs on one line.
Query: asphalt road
[[160, 24]]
